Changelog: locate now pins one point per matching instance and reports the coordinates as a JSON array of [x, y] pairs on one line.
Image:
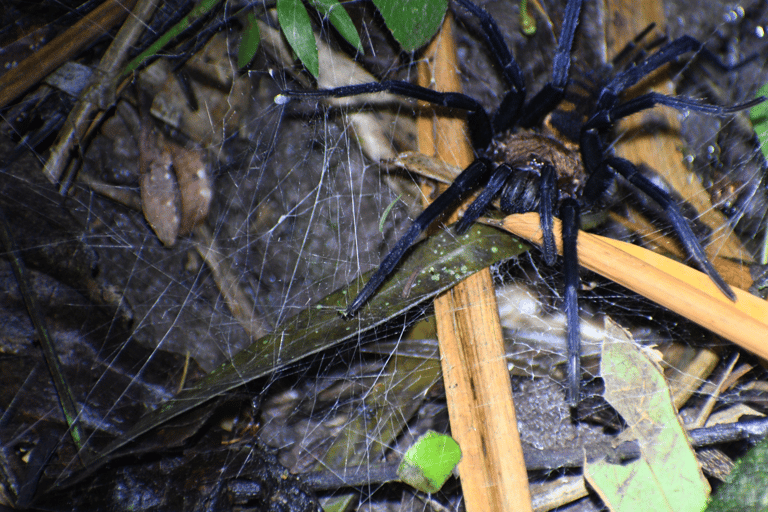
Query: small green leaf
[[759, 117], [412, 22], [429, 462], [297, 28], [528, 22], [340, 19], [249, 42]]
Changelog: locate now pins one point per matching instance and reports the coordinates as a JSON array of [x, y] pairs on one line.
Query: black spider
[[532, 168]]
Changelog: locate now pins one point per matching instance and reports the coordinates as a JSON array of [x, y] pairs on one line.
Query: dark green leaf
[[412, 22], [747, 485], [249, 42], [759, 117], [297, 28], [340, 19], [432, 267]]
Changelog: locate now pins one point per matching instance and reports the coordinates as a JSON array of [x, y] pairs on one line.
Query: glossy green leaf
[[412, 22], [433, 266], [249, 42], [429, 462], [297, 28], [341, 21]]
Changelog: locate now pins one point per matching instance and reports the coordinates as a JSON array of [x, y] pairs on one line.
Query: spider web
[[297, 213]]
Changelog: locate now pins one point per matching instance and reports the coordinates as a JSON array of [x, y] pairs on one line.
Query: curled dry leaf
[[194, 186], [175, 186]]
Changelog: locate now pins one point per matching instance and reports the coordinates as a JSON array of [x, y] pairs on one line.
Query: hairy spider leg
[[608, 97], [507, 113], [473, 212], [479, 122], [631, 46], [553, 91], [598, 167], [628, 170], [569, 215], [548, 198], [469, 179]]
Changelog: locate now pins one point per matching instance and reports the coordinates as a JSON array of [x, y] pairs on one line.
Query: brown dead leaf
[[160, 198], [194, 183]]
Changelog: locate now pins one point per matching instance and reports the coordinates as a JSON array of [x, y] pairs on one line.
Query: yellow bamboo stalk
[[671, 284], [479, 394]]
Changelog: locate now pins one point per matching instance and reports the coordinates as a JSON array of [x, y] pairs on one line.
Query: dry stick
[[65, 46], [101, 94], [478, 389]]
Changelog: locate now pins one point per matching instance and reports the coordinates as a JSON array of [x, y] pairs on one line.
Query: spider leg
[[649, 100], [569, 213], [479, 205], [631, 46], [477, 116], [466, 181], [547, 201], [667, 53], [509, 108], [680, 225], [551, 94], [509, 67]]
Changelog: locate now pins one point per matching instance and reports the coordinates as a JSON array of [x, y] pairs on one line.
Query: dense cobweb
[[300, 208]]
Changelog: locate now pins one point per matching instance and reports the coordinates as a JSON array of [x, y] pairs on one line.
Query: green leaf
[[297, 28], [759, 117], [429, 462], [412, 22], [249, 42], [340, 19], [667, 476], [433, 266]]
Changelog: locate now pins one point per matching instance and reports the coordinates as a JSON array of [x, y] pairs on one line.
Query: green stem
[[54, 364]]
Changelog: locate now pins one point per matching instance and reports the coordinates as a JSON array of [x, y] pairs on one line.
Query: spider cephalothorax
[[531, 152], [530, 166]]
